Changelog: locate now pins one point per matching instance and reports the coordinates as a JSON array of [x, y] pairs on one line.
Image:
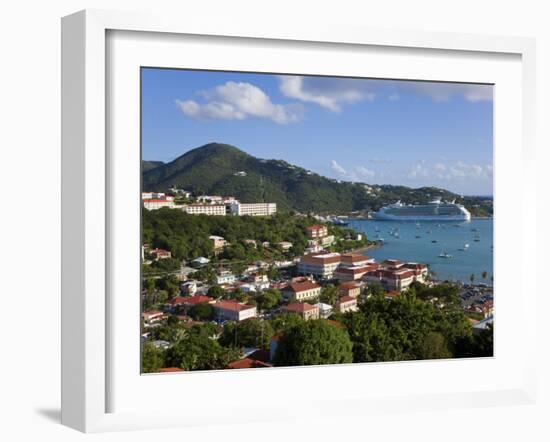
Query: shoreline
[[366, 248]]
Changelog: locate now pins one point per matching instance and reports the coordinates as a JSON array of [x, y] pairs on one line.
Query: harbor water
[[453, 251]]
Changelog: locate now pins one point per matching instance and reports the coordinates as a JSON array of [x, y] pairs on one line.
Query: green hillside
[[149, 165], [214, 169]]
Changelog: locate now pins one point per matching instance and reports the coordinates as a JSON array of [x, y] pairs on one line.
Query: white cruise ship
[[434, 211]]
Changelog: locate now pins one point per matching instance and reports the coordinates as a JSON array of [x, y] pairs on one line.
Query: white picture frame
[[87, 219]]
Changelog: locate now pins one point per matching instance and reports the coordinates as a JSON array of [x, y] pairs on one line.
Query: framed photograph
[[317, 215]]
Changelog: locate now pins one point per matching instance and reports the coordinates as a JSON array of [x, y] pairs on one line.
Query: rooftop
[[346, 298], [192, 300], [316, 227], [248, 363], [299, 307], [303, 286], [232, 305]]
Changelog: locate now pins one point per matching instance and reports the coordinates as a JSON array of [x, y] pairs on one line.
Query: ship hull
[[386, 217]]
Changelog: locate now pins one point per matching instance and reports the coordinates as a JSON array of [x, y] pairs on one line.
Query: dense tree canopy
[[202, 312], [198, 352], [312, 343], [250, 333], [152, 358], [268, 299], [405, 328], [187, 236]]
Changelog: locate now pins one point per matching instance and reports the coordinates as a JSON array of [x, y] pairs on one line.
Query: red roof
[[393, 274], [353, 258], [354, 270], [170, 370], [321, 258], [248, 363], [151, 313], [159, 251], [349, 285], [300, 307], [232, 305], [416, 265], [190, 300], [316, 227], [345, 299], [303, 286], [153, 200]]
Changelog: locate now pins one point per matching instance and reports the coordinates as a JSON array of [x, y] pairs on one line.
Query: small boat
[[434, 240], [464, 247], [428, 231], [339, 222], [445, 255], [477, 238], [418, 236]]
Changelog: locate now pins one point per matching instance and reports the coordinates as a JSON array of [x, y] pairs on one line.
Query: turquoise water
[[450, 238]]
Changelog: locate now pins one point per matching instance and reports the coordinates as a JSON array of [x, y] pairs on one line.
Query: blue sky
[[373, 131]]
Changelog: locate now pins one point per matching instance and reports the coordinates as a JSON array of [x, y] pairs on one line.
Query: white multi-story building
[[347, 304], [327, 241], [225, 277], [322, 265], [205, 209], [181, 192], [154, 204], [317, 231], [325, 310], [153, 196], [253, 209], [211, 199], [396, 275]]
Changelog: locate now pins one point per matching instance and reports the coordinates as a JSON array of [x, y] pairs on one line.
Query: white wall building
[[253, 209], [322, 265], [205, 209], [234, 311], [153, 196], [154, 204]]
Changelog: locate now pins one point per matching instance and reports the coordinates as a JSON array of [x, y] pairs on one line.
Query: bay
[[424, 241]]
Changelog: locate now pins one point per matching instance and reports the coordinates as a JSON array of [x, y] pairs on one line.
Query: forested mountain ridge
[[222, 169]]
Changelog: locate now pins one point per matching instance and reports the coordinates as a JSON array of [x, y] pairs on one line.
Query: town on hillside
[[232, 285]]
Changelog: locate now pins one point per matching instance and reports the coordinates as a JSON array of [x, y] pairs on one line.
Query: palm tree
[[472, 277], [484, 274]]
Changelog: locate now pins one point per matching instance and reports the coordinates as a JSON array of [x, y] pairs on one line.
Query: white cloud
[[239, 101], [357, 174], [442, 92], [337, 168], [364, 173], [458, 171], [334, 93], [330, 93]]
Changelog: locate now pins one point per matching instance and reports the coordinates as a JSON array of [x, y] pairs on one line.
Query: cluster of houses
[[214, 205], [350, 273]]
